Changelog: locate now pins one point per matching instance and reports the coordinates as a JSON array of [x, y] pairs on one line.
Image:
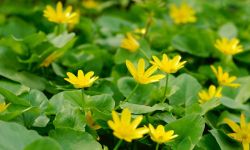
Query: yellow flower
[[60, 16], [141, 31], [142, 76], [228, 47], [124, 129], [182, 14], [3, 106], [81, 81], [241, 133], [90, 4], [130, 43], [51, 58], [91, 122], [167, 65], [159, 135], [223, 77], [211, 93]]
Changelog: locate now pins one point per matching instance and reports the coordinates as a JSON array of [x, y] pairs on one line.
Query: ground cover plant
[[121, 74]]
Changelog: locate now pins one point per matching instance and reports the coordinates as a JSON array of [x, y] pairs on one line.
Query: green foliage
[[15, 136], [70, 139], [46, 112]]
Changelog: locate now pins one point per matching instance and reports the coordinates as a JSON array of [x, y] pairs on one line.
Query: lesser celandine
[[160, 136], [168, 66], [124, 129], [81, 80], [228, 46], [241, 133], [182, 14], [224, 78], [3, 106], [211, 93], [58, 15]]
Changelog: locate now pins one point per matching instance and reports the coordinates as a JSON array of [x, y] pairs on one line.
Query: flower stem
[[142, 51], [129, 96], [165, 90], [131, 93], [118, 145], [149, 23], [83, 97], [157, 146], [60, 29]]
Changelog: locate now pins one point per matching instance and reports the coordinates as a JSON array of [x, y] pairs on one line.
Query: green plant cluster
[[46, 112]]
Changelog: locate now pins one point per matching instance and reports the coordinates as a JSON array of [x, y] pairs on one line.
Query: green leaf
[[228, 30], [193, 109], [73, 140], [70, 117], [36, 98], [58, 101], [190, 42], [182, 128], [187, 93], [35, 39], [44, 144], [103, 102], [15, 45], [13, 98], [209, 105], [243, 56], [208, 142], [15, 88], [243, 94], [224, 141], [36, 115], [100, 105], [59, 41], [15, 137], [41, 121], [164, 116], [226, 114], [185, 144], [230, 103], [15, 27], [112, 24], [143, 109], [88, 57], [11, 69]]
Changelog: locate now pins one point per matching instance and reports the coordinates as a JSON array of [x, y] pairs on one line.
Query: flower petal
[[80, 74], [126, 116], [131, 68], [136, 121], [141, 67], [232, 125], [242, 121], [89, 74], [115, 117], [150, 71]]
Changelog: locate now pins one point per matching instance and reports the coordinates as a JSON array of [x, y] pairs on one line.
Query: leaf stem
[[149, 23], [118, 144], [165, 90]]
